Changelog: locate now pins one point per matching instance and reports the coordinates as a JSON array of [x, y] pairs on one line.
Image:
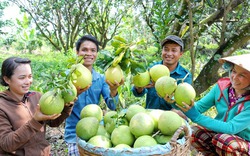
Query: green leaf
[[116, 44], [119, 50], [120, 39], [209, 3], [137, 67], [125, 64]]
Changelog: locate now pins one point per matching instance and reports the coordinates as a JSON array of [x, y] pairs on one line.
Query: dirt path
[[56, 140]]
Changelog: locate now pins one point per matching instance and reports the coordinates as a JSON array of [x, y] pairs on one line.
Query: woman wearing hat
[[229, 132]]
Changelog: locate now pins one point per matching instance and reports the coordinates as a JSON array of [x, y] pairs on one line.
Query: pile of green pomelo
[[134, 127]]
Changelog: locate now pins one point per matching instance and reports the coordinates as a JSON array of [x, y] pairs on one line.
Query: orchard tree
[[3, 5], [63, 22], [26, 36], [6, 38]]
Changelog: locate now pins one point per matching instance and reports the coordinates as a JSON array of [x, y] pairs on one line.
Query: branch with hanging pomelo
[[125, 58], [60, 88]]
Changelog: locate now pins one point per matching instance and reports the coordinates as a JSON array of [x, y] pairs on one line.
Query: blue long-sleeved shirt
[[91, 96], [234, 120], [153, 101]]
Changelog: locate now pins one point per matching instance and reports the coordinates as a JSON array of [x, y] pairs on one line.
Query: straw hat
[[240, 60]]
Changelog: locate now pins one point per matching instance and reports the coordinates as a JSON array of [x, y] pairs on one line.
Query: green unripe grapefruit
[[144, 141], [158, 71], [92, 110], [184, 93], [100, 141], [121, 146], [102, 131], [141, 124], [114, 74], [51, 103], [70, 93], [141, 79], [122, 135], [162, 139], [110, 126], [169, 122], [80, 76], [109, 116], [113, 119], [87, 127], [134, 109], [155, 115], [165, 85]]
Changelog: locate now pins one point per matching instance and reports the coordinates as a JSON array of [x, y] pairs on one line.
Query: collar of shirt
[[95, 75]]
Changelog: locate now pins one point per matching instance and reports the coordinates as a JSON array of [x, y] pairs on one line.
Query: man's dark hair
[[87, 38]]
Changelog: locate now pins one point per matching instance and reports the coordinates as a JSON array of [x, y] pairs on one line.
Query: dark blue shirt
[[153, 101]]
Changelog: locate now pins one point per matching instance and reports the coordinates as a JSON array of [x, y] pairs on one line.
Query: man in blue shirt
[[87, 46], [172, 50]]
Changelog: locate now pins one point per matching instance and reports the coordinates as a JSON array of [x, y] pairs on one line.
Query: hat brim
[[240, 60]]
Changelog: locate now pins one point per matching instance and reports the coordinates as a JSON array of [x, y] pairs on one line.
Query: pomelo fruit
[[141, 79], [114, 74], [100, 141], [162, 139], [169, 122], [102, 131], [92, 110], [113, 119], [122, 135], [69, 93], [134, 109], [121, 146], [155, 114], [80, 76], [87, 127], [141, 124], [184, 93], [144, 141], [122, 120], [51, 102], [110, 126], [165, 85], [109, 116], [158, 71]]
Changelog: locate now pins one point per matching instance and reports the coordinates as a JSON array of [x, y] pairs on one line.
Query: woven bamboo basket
[[172, 148]]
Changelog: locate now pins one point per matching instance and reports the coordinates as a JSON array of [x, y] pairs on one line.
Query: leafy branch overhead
[[125, 54], [59, 80]]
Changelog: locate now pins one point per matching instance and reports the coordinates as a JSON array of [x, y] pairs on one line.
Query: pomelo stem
[[156, 133], [185, 77], [182, 80]]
